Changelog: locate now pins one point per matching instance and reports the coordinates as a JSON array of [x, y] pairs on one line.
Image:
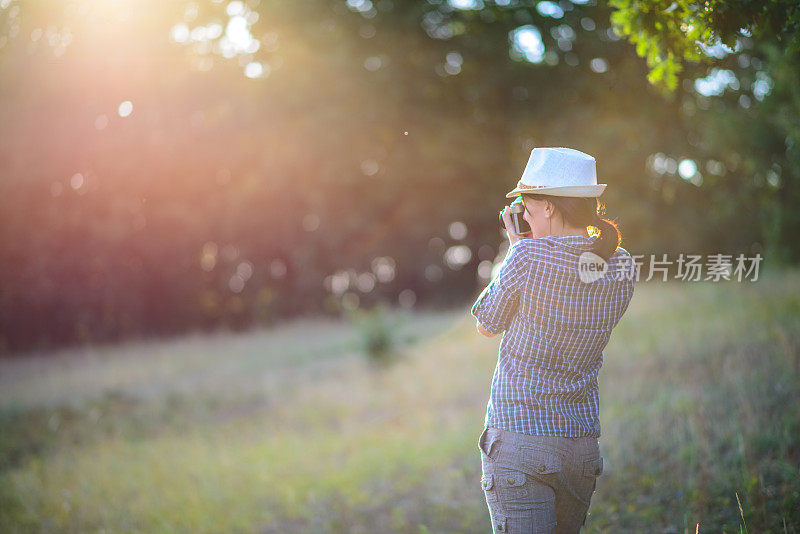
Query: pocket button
[[541, 460], [514, 480]]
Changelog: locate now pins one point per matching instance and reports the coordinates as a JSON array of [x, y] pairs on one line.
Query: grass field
[[291, 430]]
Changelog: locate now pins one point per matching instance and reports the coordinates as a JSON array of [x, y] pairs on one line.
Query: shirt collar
[[574, 243]]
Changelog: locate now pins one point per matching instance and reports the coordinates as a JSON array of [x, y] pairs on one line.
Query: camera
[[521, 226]]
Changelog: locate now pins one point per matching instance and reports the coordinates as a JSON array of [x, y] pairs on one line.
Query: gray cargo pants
[[537, 484]]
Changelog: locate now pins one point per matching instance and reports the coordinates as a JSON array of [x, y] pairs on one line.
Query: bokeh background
[[210, 210], [169, 166]]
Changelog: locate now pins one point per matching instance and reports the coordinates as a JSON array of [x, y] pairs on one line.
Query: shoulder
[[623, 264], [522, 255], [530, 247], [525, 251], [621, 253]]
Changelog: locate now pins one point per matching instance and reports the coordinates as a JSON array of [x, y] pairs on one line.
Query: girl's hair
[[583, 212]]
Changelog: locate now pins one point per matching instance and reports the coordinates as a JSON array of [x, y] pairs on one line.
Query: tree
[[668, 33], [739, 63]]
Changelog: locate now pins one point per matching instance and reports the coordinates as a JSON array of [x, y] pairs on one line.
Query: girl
[[557, 296]]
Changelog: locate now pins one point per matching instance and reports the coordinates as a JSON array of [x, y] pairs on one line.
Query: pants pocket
[[518, 490], [489, 490], [488, 442], [540, 460], [593, 467]]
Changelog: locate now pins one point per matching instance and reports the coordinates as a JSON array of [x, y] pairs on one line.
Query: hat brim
[[563, 191]]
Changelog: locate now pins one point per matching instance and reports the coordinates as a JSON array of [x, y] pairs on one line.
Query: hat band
[[520, 185]]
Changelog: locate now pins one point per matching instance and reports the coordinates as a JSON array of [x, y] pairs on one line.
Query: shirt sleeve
[[498, 302]]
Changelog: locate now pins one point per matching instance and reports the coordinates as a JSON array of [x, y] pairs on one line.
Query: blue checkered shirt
[[556, 327]]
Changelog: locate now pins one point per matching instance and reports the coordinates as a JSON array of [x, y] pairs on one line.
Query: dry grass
[[290, 429]]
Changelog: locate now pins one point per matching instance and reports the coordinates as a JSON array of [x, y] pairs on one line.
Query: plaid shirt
[[557, 326]]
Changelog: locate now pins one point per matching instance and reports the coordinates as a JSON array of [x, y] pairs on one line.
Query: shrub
[[377, 336]]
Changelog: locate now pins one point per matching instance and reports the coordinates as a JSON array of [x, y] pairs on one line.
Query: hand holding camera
[[511, 218]]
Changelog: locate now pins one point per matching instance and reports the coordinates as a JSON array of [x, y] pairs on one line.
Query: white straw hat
[[561, 172]]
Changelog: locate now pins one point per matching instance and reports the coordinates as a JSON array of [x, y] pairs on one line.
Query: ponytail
[[584, 212], [608, 239]]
